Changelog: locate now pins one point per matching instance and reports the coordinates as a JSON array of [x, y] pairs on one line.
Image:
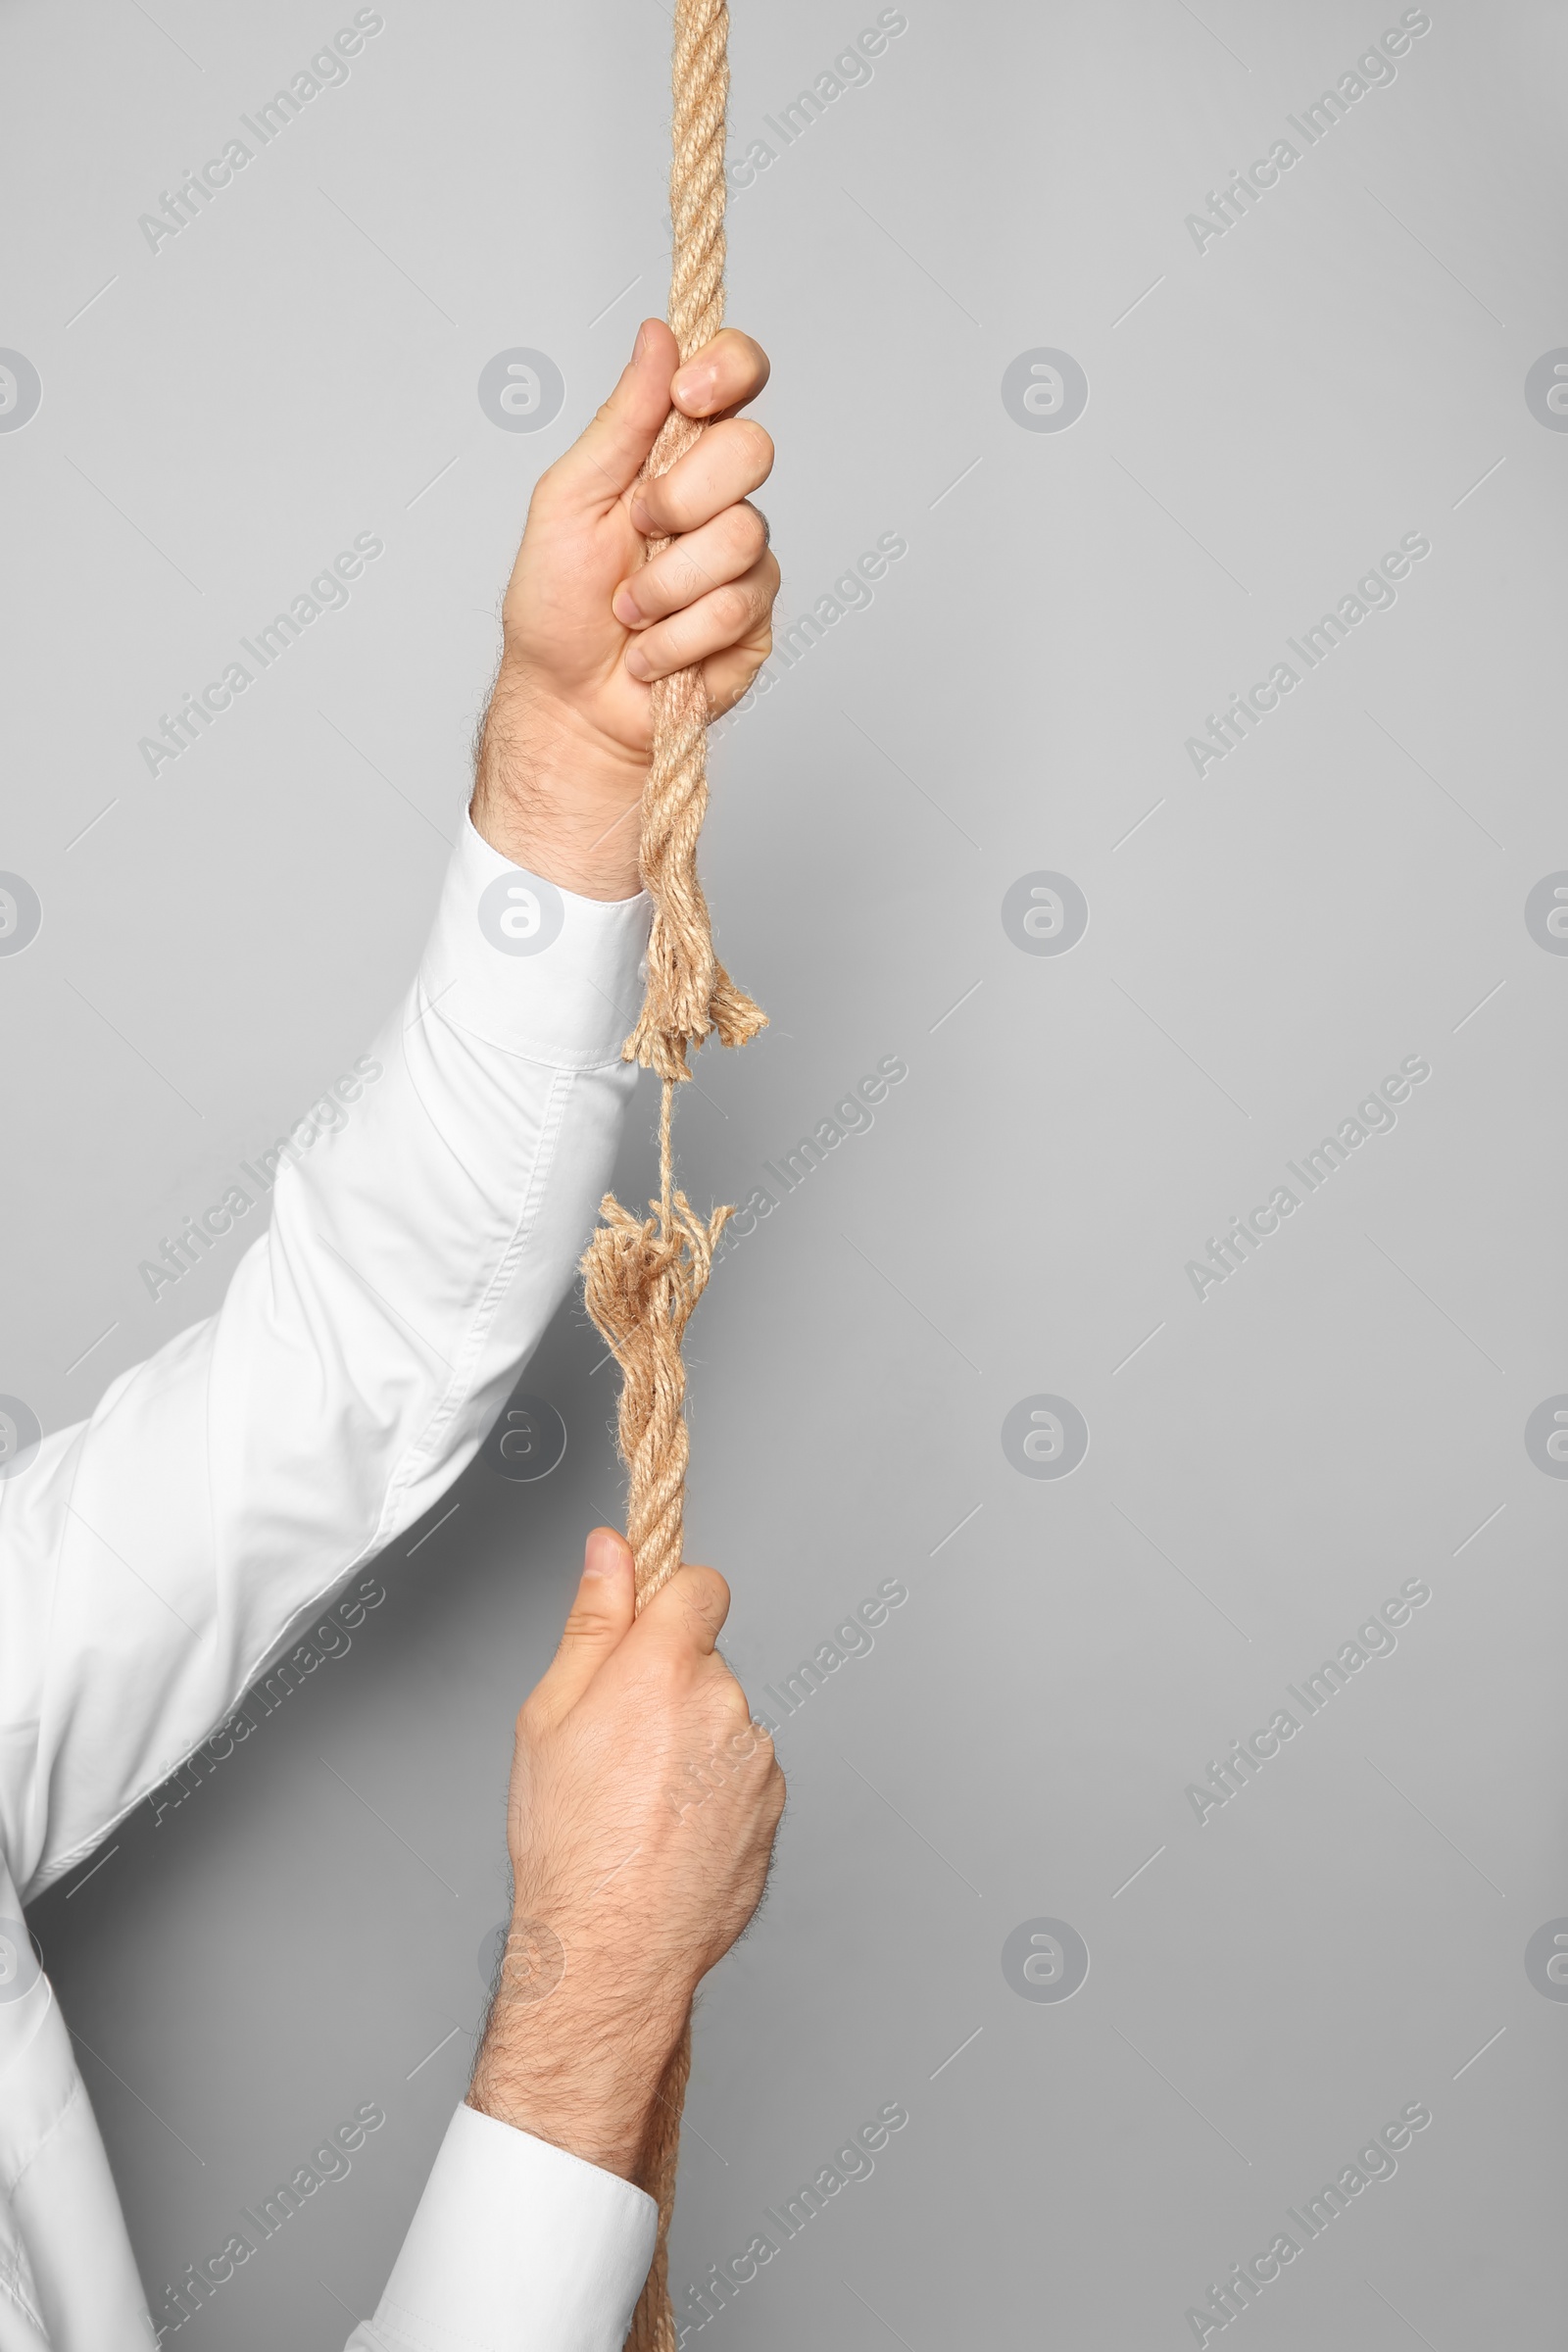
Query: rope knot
[[642, 1277]]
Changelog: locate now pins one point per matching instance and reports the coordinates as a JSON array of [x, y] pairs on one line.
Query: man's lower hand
[[643, 1808]]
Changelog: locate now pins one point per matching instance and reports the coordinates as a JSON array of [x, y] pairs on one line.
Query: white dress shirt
[[155, 1558]]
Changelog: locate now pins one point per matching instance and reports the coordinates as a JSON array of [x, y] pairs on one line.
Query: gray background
[[1265, 418]]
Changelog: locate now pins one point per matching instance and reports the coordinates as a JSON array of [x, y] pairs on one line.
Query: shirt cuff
[[516, 2247], [531, 967]]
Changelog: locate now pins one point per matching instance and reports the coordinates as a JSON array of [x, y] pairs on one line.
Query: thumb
[[606, 459], [600, 1616]]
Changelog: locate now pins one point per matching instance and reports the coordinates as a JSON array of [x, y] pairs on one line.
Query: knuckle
[[688, 582], [582, 1624], [654, 498], [722, 1697], [705, 1588], [733, 1703]]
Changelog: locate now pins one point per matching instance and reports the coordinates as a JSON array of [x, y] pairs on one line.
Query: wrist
[[552, 796], [577, 2068]]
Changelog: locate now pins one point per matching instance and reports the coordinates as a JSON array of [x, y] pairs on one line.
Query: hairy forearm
[[553, 800], [573, 2067]]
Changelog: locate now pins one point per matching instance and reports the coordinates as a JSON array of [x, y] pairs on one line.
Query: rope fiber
[[642, 1277]]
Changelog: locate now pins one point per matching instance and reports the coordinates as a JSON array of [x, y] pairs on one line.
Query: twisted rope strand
[[688, 991], [642, 1277]]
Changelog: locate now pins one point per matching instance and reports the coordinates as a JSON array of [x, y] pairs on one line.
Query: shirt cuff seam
[[579, 1060]]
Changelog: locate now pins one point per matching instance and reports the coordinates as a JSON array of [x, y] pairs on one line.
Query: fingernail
[[637, 662], [641, 519], [601, 1554], [625, 608], [694, 387]]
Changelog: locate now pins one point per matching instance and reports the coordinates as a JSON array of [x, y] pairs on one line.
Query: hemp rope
[[642, 1277]]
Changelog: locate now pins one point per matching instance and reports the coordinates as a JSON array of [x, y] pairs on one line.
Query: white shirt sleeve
[[426, 1224], [516, 2247]]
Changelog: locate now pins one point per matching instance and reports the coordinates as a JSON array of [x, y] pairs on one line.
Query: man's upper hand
[[588, 622], [640, 1819]]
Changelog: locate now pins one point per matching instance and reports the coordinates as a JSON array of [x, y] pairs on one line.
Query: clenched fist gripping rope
[[642, 1277]]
